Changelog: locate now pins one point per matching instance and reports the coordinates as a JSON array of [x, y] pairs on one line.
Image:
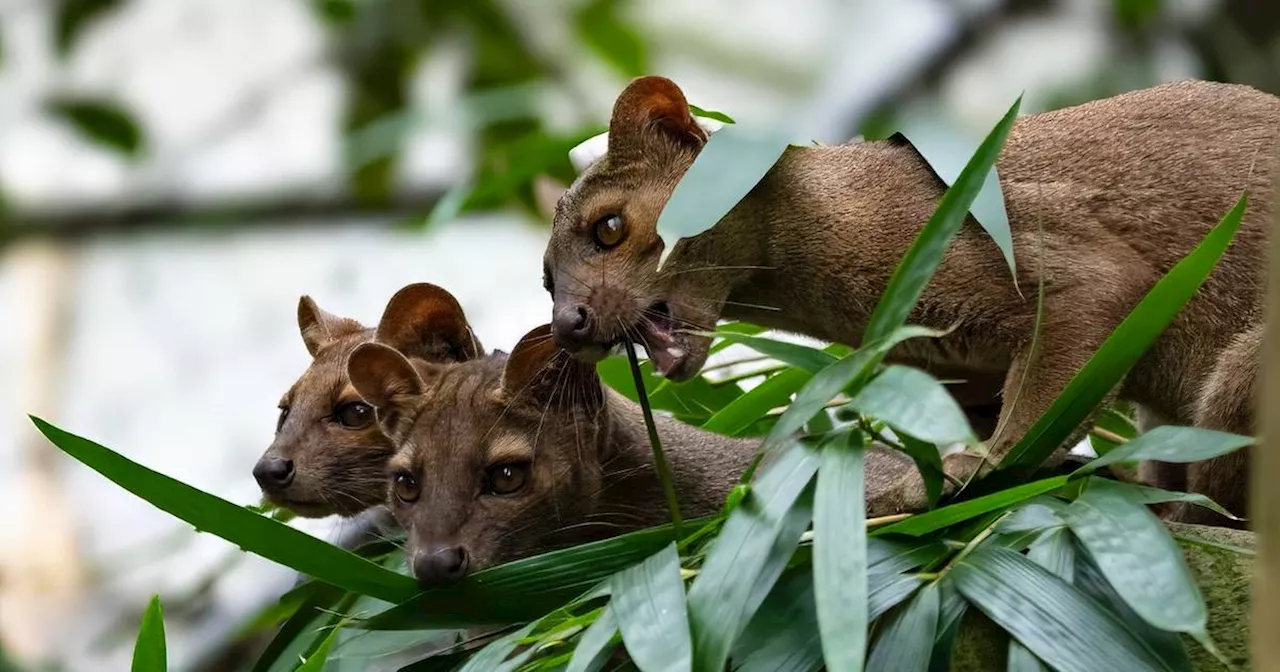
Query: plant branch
[[659, 458]]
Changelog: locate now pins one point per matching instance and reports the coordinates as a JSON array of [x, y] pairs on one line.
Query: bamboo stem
[[659, 458], [1265, 498]]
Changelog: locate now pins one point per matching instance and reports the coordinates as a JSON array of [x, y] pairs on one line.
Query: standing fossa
[[1105, 197], [507, 456], [329, 456]]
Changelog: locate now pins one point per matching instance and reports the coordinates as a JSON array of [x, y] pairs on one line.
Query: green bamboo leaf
[[1148, 495], [729, 165], [1171, 444], [1167, 646], [925, 254], [149, 651], [602, 28], [745, 411], [1124, 346], [1055, 552], [710, 114], [252, 532], [906, 641], [595, 644], [804, 357], [947, 516], [1064, 628], [648, 600], [833, 379], [303, 632], [693, 401], [953, 606], [1035, 516], [525, 589], [102, 122], [911, 400], [767, 525], [840, 552], [783, 634], [74, 16], [895, 556], [316, 660], [491, 657], [945, 148], [1138, 556], [888, 592]]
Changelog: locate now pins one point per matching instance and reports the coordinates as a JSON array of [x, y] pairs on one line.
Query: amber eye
[[506, 479], [354, 415], [610, 230], [284, 413], [547, 283], [406, 488]]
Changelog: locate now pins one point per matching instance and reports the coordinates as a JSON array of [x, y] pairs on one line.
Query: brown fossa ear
[[383, 376], [319, 327], [650, 105], [425, 321], [538, 370]]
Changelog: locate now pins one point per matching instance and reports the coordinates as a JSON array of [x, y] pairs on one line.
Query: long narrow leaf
[[593, 647], [1061, 626], [840, 552], [1167, 646], [907, 640], [957, 513], [1055, 552], [800, 356], [951, 610], [756, 532], [1121, 350], [925, 254], [526, 589], [648, 600], [1172, 444], [490, 658], [250, 531], [783, 635], [149, 651], [1148, 495], [1139, 558], [911, 400], [829, 382], [888, 592], [743, 412], [315, 662]]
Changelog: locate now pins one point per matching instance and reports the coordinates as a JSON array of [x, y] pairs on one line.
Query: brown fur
[[342, 470], [1104, 197], [590, 468]]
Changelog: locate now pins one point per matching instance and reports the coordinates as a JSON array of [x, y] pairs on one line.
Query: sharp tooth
[[675, 352]]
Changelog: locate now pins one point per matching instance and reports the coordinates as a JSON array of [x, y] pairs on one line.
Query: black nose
[[440, 565], [573, 325], [273, 473]]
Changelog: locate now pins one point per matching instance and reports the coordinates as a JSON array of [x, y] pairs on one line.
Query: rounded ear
[[425, 321], [538, 370], [651, 105], [383, 376], [319, 327]]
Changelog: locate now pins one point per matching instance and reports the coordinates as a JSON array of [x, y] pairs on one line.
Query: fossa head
[[601, 262], [497, 458], [329, 455]]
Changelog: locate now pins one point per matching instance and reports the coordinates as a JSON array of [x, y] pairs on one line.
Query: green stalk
[[659, 458]]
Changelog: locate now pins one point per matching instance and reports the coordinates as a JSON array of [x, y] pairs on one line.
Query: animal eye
[[406, 488], [547, 283], [610, 230], [354, 415], [505, 479], [284, 413]]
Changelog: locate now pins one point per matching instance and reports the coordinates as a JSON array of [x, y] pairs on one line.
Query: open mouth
[[661, 339]]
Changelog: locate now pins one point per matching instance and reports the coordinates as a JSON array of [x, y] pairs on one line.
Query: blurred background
[[175, 173]]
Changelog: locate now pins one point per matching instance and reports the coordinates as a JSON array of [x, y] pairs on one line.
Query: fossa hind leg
[[1227, 402]]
